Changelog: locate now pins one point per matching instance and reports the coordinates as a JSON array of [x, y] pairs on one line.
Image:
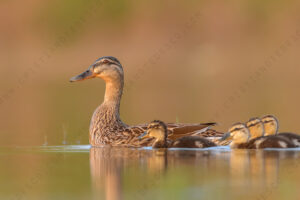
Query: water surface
[[81, 172]]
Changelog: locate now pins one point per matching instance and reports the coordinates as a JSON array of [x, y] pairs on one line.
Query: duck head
[[270, 124], [256, 127], [107, 68]]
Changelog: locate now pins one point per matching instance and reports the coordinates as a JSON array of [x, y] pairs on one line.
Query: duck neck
[[110, 107], [113, 91]]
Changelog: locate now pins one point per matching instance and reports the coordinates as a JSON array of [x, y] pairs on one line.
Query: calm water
[[81, 172]]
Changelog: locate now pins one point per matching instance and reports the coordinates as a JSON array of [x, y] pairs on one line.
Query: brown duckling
[[240, 134], [256, 130], [158, 130], [271, 127]]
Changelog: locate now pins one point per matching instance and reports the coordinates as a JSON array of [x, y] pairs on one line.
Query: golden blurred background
[[186, 61]]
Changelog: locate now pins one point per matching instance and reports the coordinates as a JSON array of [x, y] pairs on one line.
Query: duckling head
[[238, 133], [256, 127], [108, 68], [156, 129], [270, 124]]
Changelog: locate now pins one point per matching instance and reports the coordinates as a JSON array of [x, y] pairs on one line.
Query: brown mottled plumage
[[106, 126], [158, 130], [271, 128]]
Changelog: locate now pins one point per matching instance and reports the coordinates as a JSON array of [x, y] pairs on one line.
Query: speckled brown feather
[[124, 135]]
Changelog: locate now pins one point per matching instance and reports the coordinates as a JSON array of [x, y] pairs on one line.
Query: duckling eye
[[155, 126], [105, 61]]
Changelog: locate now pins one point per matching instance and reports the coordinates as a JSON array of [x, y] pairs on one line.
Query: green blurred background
[[186, 61]]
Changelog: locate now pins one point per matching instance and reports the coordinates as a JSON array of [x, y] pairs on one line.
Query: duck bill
[[83, 76], [144, 135], [226, 137]]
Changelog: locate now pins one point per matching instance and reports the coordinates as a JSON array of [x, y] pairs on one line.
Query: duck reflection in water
[[108, 164]]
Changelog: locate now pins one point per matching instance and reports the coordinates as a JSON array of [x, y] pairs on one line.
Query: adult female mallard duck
[[158, 130], [271, 127], [106, 125], [240, 135]]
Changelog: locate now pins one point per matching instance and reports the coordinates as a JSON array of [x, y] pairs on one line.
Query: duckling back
[[192, 142], [272, 141], [292, 137]]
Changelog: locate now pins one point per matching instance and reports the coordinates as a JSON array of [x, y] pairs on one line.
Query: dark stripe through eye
[[268, 121], [253, 124], [236, 129], [153, 126]]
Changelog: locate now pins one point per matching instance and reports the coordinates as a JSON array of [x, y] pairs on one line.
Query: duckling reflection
[[271, 166], [257, 165], [239, 166], [158, 130], [271, 126], [259, 168], [108, 164]]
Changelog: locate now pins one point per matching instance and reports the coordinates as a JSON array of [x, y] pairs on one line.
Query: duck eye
[[105, 61]]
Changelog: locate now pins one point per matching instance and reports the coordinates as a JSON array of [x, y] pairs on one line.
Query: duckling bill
[[158, 130]]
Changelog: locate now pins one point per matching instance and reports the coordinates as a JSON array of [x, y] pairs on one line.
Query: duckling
[[158, 130], [255, 127], [240, 135], [271, 128]]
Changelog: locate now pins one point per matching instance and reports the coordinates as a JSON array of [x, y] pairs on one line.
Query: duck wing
[[180, 130]]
